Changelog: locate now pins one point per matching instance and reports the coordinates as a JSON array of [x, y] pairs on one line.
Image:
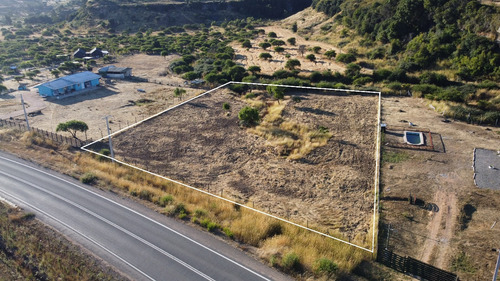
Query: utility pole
[[25, 115], [110, 142], [498, 264]]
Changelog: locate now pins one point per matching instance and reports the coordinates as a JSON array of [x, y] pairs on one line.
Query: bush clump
[[325, 266], [291, 262], [249, 115], [88, 178], [166, 200]]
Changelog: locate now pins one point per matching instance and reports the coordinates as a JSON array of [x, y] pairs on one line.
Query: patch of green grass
[[228, 232], [394, 157], [463, 263]]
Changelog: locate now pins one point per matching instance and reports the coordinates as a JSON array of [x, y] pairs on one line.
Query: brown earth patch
[[203, 145]]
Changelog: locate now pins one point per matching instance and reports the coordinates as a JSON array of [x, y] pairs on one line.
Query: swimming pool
[[414, 138]]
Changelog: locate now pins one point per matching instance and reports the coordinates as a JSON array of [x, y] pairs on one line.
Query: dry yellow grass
[[273, 238], [297, 139]]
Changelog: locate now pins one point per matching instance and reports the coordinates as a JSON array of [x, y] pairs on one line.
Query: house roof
[[70, 80], [95, 50], [117, 69]]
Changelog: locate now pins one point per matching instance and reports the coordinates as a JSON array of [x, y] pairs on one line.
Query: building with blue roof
[[69, 84]]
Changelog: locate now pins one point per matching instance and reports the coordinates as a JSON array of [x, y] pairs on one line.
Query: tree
[[291, 64], [56, 73], [19, 78], [294, 27], [302, 49], [2, 88], [277, 92], [311, 57], [246, 44], [249, 115], [254, 69], [178, 92], [265, 56], [316, 49], [330, 54], [265, 45], [277, 42], [272, 34], [72, 127], [279, 49], [292, 41], [352, 70]]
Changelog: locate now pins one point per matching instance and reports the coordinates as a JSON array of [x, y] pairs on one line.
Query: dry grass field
[[312, 161]]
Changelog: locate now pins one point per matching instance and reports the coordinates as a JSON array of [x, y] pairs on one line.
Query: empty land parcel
[[310, 160]]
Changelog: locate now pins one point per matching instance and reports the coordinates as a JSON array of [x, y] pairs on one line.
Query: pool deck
[[486, 165]]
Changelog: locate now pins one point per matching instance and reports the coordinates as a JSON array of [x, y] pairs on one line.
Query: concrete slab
[[487, 168]]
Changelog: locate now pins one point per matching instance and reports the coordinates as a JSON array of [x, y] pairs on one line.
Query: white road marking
[[77, 232], [181, 262], [141, 215]]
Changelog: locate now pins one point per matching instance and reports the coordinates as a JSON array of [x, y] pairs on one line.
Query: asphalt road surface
[[138, 242]]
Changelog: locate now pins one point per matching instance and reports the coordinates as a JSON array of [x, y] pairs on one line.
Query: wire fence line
[[74, 142]]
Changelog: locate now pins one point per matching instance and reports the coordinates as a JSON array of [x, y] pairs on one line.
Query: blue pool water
[[414, 138]]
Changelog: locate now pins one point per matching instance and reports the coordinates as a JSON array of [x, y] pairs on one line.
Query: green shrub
[[249, 115], [105, 152], [346, 58], [88, 178], [211, 226], [166, 200], [291, 262], [325, 266], [228, 232], [226, 106]]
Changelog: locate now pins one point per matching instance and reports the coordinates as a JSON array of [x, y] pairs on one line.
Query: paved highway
[[137, 241]]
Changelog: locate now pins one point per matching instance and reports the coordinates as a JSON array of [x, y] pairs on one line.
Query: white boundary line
[[377, 158]]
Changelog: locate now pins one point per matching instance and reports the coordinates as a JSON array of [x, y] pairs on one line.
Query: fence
[[414, 267], [46, 134]]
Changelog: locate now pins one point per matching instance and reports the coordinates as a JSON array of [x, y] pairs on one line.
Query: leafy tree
[[294, 28], [265, 45], [346, 58], [352, 70], [330, 54], [56, 73], [277, 42], [254, 69], [279, 49], [265, 56], [291, 64], [237, 72], [316, 49], [19, 78], [246, 44], [72, 127], [31, 75], [178, 92], [277, 92], [249, 115], [311, 57], [272, 34], [292, 41]]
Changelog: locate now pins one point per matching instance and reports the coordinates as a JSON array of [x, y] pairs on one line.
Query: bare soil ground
[[117, 98], [204, 146], [445, 179]]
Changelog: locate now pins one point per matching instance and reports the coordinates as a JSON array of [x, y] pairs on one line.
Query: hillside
[[133, 15]]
